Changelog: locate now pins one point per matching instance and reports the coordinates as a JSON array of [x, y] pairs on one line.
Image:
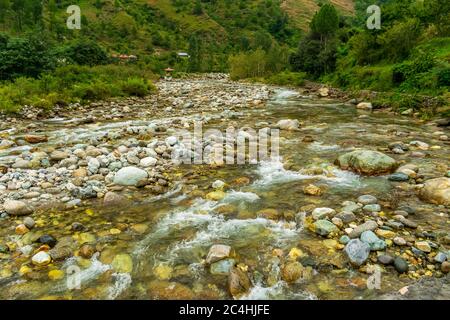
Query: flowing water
[[178, 228]]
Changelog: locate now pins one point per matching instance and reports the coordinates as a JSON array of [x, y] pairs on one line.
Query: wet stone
[[48, 240], [367, 199], [400, 265], [385, 259], [357, 251], [222, 267], [218, 252]]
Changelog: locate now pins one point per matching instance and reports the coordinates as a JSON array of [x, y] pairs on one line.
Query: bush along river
[[93, 206]]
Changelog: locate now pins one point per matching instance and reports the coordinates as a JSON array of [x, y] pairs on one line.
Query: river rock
[[222, 267], [357, 251], [364, 106], [41, 258], [385, 259], [17, 208], [130, 176], [423, 246], [288, 124], [366, 226], [367, 162], [445, 267], [148, 162], [399, 241], [400, 265], [436, 191], [238, 282], [398, 177], [321, 213], [58, 155], [218, 252], [113, 199], [367, 199], [48, 240], [292, 271], [346, 217], [122, 263], [372, 208], [29, 222], [373, 241], [440, 257], [324, 227], [35, 139]]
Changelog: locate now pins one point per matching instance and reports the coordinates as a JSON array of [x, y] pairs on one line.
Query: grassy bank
[[75, 83]]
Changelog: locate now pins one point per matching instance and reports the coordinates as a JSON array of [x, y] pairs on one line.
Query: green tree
[[4, 7], [325, 22]]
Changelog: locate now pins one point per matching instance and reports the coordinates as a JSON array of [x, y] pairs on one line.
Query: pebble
[[373, 241], [48, 240], [55, 275], [399, 241], [445, 267], [324, 227], [385, 259], [321, 213], [218, 252], [423, 246], [21, 229], [42, 258], [400, 265], [440, 257], [86, 251], [29, 222], [367, 199], [367, 226], [372, 208]]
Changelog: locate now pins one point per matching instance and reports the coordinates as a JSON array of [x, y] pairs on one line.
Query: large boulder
[[367, 162], [436, 191], [130, 176]]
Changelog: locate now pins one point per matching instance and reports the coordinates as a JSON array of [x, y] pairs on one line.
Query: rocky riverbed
[[95, 206]]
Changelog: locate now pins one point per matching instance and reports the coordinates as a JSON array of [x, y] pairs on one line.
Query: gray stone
[[222, 267], [372, 208], [400, 265], [373, 241], [367, 199], [367, 162], [366, 226], [324, 227], [398, 177], [357, 251], [130, 176]]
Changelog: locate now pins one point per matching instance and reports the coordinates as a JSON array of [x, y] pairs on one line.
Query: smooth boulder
[[367, 162], [130, 176], [436, 191], [17, 208]]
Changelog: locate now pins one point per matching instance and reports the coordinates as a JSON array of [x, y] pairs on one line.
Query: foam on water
[[279, 291], [273, 172], [234, 196], [122, 281], [285, 94]]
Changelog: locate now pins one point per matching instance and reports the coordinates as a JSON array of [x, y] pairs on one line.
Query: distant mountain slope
[[302, 11]]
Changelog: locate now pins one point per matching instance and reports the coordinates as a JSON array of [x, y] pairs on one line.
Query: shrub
[[136, 87], [288, 78]]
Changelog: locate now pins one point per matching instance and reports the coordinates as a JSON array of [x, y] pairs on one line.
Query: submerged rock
[[222, 267], [218, 252], [400, 265], [367, 162], [17, 208], [292, 271], [373, 241], [436, 191], [324, 227], [238, 282]]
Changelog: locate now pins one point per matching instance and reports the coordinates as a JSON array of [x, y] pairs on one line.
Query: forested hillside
[[327, 41]]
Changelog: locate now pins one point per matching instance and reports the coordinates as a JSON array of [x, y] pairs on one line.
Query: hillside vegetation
[[283, 41]]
